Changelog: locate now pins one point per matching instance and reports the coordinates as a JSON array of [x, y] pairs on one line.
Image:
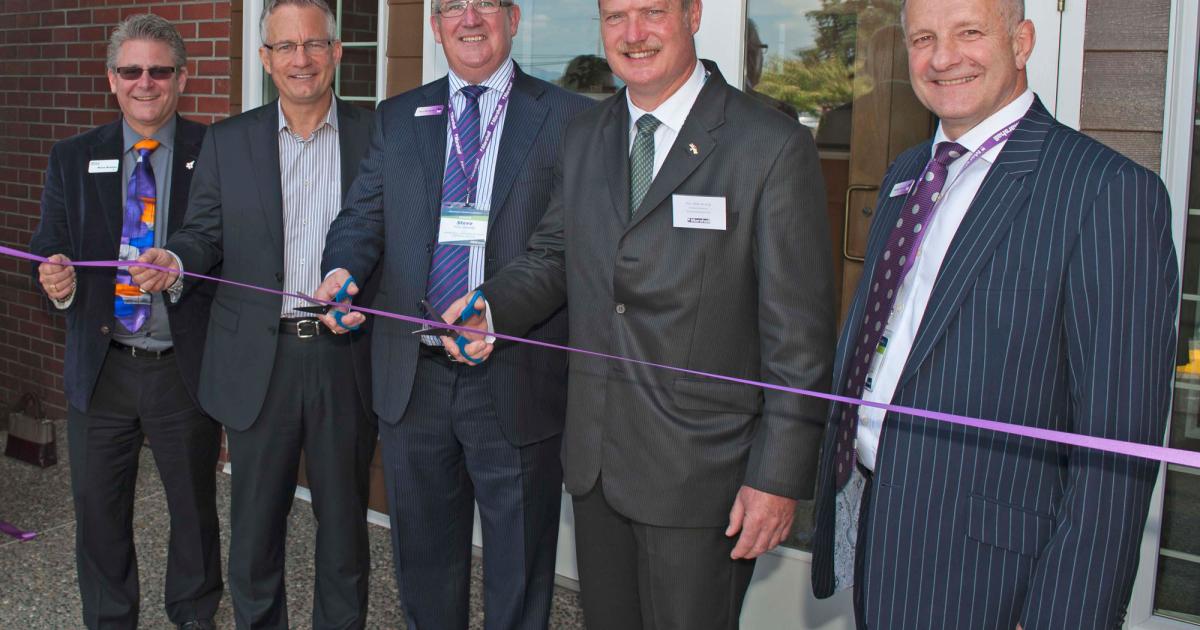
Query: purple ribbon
[[16, 532], [1146, 451]]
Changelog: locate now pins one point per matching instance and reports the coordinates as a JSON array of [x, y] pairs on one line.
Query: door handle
[[846, 220]]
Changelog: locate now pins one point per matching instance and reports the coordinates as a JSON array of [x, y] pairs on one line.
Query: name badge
[[902, 188], [698, 213], [104, 166], [463, 224], [429, 110]]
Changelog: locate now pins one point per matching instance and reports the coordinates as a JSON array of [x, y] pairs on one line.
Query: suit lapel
[[263, 139], [187, 147], [1000, 199], [431, 140], [615, 138], [354, 137], [522, 122], [106, 188], [693, 145]]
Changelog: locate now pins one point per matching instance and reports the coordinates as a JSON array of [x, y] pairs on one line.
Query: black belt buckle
[[308, 328]]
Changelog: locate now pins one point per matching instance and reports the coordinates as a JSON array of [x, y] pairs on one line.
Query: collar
[[331, 118], [495, 83], [165, 135], [993, 124], [673, 111]]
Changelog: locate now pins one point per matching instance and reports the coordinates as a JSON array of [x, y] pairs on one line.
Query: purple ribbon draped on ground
[[1146, 451], [16, 532]]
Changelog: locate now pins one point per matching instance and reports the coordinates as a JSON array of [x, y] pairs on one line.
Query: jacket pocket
[[705, 394], [224, 316], [1006, 526]]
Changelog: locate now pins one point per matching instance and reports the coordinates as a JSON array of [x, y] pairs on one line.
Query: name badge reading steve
[[463, 224], [103, 166], [698, 213]]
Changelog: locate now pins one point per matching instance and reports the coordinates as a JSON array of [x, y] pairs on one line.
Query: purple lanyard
[[990, 143], [472, 173]]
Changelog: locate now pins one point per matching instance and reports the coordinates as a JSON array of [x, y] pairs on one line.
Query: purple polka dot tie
[[891, 268]]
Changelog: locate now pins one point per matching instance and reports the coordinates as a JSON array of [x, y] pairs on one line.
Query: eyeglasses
[[133, 73], [456, 8], [312, 47]]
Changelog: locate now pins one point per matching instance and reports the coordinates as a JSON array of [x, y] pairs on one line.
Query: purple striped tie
[[890, 269], [448, 272]]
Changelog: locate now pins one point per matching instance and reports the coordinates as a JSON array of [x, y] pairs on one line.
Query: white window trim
[[1178, 129]]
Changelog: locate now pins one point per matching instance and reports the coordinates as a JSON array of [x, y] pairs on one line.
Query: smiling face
[[147, 104], [476, 45], [303, 79], [650, 45], [966, 60]]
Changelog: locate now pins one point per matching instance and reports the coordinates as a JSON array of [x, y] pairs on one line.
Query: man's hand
[[154, 280], [57, 278], [763, 519], [329, 288], [479, 349]]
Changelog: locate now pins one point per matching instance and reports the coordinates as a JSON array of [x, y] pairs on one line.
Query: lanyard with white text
[[472, 172]]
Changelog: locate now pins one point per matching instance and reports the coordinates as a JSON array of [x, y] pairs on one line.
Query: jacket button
[[104, 330], [428, 248], [620, 309], [279, 276]]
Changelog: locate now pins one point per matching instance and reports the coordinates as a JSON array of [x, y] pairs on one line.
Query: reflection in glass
[[1177, 589]]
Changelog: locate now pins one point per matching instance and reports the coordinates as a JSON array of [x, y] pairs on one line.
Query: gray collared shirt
[[155, 335], [310, 174]]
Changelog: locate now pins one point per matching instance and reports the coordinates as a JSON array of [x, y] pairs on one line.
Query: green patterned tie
[[641, 161]]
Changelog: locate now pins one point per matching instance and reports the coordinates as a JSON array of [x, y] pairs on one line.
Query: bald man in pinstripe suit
[[1016, 271]]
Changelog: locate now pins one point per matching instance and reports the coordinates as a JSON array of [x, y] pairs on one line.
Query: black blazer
[[391, 215], [1054, 308], [753, 301], [81, 218], [235, 220]]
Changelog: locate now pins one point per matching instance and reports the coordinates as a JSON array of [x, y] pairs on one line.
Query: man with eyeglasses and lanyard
[[132, 358], [267, 185], [476, 148]]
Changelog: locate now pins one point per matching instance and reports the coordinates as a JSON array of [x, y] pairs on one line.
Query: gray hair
[[146, 26], [330, 18], [1012, 11]]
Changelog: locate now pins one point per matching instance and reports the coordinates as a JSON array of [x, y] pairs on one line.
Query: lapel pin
[[189, 165], [693, 149]]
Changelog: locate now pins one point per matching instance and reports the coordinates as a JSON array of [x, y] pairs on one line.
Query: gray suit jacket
[[235, 221], [752, 301]]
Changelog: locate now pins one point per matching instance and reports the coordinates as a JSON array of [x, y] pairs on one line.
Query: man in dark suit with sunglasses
[[132, 359]]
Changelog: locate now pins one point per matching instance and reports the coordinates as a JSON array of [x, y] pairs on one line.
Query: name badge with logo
[[902, 188], [698, 212], [463, 224], [104, 166]]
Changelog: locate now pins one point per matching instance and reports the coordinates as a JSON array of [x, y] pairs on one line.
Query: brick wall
[[52, 86]]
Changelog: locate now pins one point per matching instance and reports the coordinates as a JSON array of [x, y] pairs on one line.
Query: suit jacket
[[82, 218], [395, 219], [235, 220], [1054, 308], [752, 301]]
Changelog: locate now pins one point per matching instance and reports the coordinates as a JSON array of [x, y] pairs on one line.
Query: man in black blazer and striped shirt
[[1016, 271]]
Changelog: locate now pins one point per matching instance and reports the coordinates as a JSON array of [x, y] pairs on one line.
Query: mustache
[[646, 45]]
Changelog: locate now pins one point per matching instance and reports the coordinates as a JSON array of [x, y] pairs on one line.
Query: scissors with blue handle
[[322, 309], [459, 340]]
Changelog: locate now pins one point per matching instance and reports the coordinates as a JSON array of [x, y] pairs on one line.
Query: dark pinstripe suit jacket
[[753, 301], [391, 215], [1055, 307]]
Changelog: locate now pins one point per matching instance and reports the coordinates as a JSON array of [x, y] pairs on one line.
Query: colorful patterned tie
[[641, 161], [890, 270], [448, 272], [131, 306]]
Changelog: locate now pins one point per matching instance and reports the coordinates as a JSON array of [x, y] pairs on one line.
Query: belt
[[304, 328], [437, 354], [140, 353]]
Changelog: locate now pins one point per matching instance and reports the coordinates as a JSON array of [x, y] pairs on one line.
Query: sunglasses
[[133, 73]]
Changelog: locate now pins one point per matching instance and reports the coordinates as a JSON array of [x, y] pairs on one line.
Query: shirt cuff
[[487, 314]]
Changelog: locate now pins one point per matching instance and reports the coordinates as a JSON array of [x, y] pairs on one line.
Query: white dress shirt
[[914, 291], [671, 113]]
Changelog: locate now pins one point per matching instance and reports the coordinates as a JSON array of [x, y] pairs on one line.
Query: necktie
[[641, 161], [890, 270], [131, 306], [448, 272]]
